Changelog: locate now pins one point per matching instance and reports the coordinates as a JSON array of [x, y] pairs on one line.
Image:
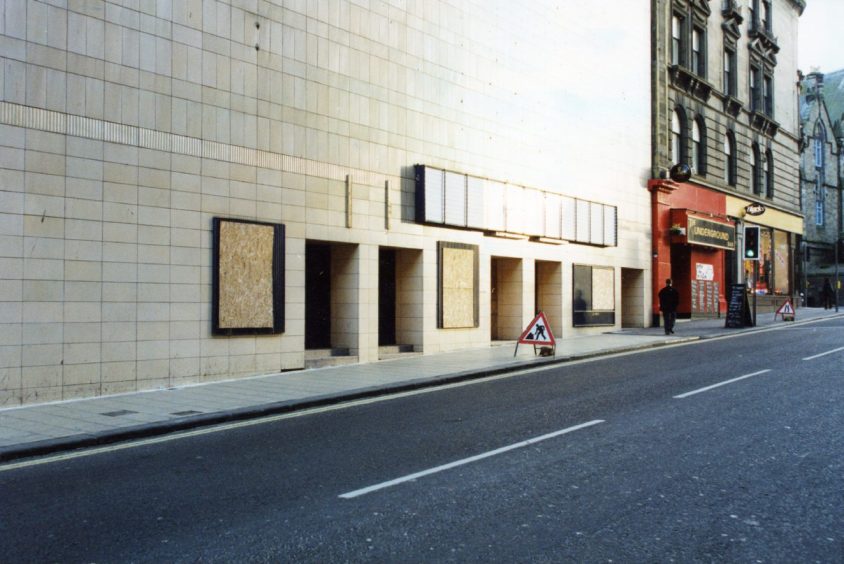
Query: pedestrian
[[827, 294], [669, 297]]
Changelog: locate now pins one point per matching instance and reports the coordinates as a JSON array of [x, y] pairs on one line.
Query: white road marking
[[450, 465], [824, 353], [707, 388]]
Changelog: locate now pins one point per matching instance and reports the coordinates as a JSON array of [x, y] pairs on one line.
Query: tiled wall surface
[[125, 126]]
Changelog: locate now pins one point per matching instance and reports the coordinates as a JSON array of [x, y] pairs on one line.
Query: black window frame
[[730, 68], [769, 174], [755, 170], [683, 147], [698, 56], [731, 163], [698, 147]]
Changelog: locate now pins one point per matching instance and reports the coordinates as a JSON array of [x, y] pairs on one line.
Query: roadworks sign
[[538, 332], [786, 310]]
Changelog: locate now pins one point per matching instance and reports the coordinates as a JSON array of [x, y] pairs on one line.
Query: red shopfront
[[693, 244]]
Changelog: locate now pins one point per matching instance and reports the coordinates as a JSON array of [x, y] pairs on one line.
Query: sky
[[820, 43]]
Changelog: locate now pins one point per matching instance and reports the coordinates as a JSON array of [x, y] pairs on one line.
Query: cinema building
[[203, 191]]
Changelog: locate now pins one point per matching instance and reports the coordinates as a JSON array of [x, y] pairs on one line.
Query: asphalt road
[[635, 459]]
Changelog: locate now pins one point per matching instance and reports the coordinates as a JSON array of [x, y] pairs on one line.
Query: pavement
[[34, 430]]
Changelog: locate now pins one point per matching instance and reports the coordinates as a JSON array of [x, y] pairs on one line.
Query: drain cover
[[183, 413], [118, 413]]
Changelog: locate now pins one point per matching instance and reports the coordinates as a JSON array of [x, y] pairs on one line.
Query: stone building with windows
[[201, 190], [820, 180], [724, 74]]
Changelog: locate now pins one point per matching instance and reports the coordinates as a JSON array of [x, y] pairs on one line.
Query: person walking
[[827, 294], [669, 297]]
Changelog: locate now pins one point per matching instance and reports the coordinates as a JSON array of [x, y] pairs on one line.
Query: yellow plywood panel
[[603, 289], [246, 275], [458, 287]]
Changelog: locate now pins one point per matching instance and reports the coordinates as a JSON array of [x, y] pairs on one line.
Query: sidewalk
[[45, 428]]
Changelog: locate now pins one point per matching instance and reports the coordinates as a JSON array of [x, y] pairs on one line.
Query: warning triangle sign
[[785, 309], [538, 332]]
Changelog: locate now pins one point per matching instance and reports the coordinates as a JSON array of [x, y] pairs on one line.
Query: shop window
[[593, 298]]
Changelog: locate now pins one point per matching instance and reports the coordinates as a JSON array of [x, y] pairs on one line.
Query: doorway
[[317, 296]]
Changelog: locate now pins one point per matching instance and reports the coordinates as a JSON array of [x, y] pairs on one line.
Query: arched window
[[678, 136], [699, 146], [755, 163], [769, 174], [819, 143], [730, 167]]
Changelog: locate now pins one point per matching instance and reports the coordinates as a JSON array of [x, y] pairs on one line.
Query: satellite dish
[[680, 172]]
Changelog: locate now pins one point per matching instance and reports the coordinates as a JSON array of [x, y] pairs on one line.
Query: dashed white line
[[707, 388], [824, 353], [450, 465]]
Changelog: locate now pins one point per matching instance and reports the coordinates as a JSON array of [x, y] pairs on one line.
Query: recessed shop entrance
[[549, 294], [399, 300], [331, 297], [506, 281], [632, 297]]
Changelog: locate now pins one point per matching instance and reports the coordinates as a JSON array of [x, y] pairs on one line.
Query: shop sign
[[711, 233], [755, 209]]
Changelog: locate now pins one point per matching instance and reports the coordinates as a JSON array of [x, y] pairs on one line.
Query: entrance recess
[[506, 281]]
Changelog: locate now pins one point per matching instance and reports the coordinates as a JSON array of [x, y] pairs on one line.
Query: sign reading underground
[[711, 233]]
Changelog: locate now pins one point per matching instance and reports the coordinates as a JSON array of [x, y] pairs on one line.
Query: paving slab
[[44, 428]]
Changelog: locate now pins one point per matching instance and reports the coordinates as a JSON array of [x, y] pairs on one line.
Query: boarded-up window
[[458, 286], [248, 277]]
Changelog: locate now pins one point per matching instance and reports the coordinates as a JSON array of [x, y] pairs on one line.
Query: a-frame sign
[[538, 332], [786, 310]]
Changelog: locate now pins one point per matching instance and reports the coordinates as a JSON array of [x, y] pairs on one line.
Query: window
[[819, 209], [768, 95], [593, 296], [699, 51], [769, 174], [819, 142], [755, 92], [699, 146], [755, 159], [677, 42], [730, 158], [678, 135], [730, 72], [753, 8], [766, 16]]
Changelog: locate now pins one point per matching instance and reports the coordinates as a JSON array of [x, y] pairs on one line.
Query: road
[[723, 450]]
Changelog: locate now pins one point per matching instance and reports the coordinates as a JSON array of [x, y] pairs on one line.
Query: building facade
[[201, 190], [724, 105], [820, 180]]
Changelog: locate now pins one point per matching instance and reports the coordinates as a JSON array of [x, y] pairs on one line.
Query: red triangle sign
[[538, 332], [786, 309]]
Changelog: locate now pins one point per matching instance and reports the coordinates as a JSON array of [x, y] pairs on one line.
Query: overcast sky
[[820, 36]]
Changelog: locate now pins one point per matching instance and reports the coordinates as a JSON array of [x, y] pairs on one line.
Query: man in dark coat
[[668, 300]]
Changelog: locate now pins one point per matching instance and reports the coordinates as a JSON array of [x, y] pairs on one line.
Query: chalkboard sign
[[738, 310]]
